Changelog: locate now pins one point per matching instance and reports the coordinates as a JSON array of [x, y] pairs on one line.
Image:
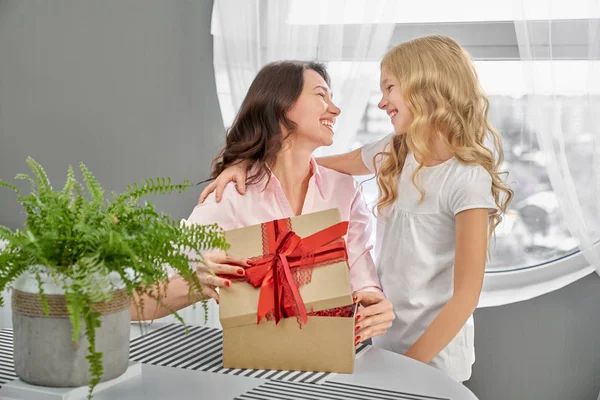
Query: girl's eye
[[390, 87]]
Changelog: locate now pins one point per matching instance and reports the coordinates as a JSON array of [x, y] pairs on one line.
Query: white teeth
[[393, 114], [328, 123]]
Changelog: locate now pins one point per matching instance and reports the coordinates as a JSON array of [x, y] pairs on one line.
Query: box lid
[[329, 286]]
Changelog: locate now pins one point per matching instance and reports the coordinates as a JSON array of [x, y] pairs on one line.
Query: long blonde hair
[[441, 89]]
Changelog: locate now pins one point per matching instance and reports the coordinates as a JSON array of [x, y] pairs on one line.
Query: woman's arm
[[178, 294], [349, 163], [469, 267], [177, 298], [215, 263]]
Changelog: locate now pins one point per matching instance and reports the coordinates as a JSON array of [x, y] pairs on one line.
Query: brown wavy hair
[[256, 134], [441, 89]]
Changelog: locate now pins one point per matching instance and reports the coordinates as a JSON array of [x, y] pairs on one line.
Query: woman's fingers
[[222, 264], [383, 307], [209, 291], [226, 269], [368, 326], [374, 320], [222, 258], [368, 334], [213, 280], [235, 260]]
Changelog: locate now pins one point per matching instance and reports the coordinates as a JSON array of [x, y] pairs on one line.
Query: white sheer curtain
[[572, 153], [248, 34]]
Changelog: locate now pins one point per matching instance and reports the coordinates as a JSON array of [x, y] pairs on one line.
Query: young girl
[[441, 197]]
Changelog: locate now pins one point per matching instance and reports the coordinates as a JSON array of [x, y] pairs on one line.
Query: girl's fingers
[[207, 190]]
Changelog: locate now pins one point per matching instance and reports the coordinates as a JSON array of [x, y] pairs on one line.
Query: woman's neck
[[293, 170]]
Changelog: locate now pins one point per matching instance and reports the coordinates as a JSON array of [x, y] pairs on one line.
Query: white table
[[375, 371], [376, 368]]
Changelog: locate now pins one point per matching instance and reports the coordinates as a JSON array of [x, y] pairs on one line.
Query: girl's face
[[314, 112], [392, 102]]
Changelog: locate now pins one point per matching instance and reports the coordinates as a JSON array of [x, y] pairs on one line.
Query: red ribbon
[[285, 253]]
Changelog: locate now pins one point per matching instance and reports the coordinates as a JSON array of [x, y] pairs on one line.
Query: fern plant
[[78, 237]]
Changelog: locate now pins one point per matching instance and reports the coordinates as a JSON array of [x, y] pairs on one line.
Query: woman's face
[[314, 113], [392, 102]]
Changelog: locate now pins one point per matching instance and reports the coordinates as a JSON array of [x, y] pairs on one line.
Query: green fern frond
[[71, 181], [153, 187], [93, 187], [10, 186], [43, 183], [43, 298], [28, 178], [76, 305], [92, 322], [6, 234]]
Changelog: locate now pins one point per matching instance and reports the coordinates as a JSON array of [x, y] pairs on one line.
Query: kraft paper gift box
[[264, 326]]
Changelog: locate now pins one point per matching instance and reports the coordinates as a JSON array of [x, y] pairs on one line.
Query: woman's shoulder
[[230, 198], [222, 213]]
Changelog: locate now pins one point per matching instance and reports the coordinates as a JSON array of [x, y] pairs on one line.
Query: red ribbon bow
[[286, 251]]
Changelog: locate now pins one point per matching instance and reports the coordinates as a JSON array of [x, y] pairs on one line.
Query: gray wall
[[547, 348], [126, 86]]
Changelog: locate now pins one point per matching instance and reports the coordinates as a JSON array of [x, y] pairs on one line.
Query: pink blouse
[[326, 189]]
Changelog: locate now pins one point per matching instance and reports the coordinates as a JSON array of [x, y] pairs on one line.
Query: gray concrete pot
[[44, 352]]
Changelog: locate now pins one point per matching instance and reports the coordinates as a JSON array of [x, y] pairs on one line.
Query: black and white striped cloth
[[277, 390], [7, 368], [202, 349]]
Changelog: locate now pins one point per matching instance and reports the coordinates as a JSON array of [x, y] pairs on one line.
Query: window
[[534, 233]]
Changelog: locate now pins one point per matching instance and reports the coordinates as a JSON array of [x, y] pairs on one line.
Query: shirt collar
[[317, 175], [316, 171]]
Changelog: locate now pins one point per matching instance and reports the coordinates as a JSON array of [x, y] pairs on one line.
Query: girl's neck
[[439, 153]]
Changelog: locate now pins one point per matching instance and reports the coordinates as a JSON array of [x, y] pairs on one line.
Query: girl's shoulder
[[470, 173], [469, 187]]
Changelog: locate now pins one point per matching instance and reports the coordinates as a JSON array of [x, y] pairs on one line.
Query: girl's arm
[[349, 163], [469, 267]]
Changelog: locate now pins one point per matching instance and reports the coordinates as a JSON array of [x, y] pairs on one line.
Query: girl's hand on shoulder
[[235, 173]]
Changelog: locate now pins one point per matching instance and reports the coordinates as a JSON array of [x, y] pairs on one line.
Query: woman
[[287, 114]]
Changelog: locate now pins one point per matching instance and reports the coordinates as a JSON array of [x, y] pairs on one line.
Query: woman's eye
[[322, 95]]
